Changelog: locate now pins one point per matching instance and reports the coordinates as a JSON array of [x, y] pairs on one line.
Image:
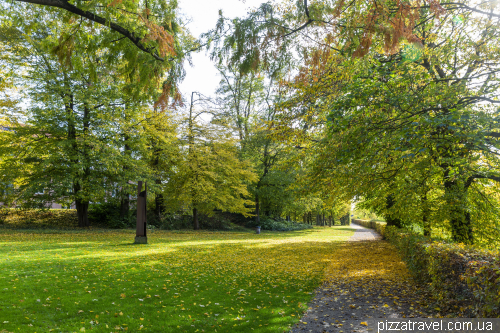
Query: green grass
[[179, 282]]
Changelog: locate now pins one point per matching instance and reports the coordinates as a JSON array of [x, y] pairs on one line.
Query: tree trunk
[[125, 197], [159, 205], [196, 224], [425, 216], [257, 210], [159, 201], [124, 206], [460, 220], [82, 208], [389, 218]]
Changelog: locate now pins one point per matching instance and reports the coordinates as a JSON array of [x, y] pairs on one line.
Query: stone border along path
[[366, 280]]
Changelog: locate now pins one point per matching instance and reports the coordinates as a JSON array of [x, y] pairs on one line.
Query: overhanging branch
[[63, 4]]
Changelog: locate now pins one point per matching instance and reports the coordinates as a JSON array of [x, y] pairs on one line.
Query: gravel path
[[362, 288]]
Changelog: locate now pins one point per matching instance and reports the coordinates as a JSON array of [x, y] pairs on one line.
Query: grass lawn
[[75, 281]]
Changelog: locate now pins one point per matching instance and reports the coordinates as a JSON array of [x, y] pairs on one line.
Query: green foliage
[[463, 279], [107, 215], [208, 174], [34, 218], [277, 224], [412, 131], [365, 214], [170, 221]]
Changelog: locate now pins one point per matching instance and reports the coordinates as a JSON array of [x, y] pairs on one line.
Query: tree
[[209, 175], [71, 128], [419, 119]]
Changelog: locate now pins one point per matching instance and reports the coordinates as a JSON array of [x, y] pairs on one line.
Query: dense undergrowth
[[107, 216]]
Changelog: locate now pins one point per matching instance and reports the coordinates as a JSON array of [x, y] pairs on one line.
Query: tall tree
[[421, 115], [71, 128], [209, 174]]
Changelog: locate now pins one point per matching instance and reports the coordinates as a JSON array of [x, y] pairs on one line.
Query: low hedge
[[35, 218], [277, 224], [465, 280], [372, 224]]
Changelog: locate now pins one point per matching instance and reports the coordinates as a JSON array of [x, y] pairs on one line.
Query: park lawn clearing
[[180, 282]]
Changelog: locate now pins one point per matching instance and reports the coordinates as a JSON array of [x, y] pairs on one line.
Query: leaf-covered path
[[366, 280]]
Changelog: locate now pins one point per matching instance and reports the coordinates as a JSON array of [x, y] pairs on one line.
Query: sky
[[203, 77]]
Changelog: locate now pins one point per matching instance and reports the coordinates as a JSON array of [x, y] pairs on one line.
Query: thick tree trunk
[[196, 224], [460, 220], [82, 208]]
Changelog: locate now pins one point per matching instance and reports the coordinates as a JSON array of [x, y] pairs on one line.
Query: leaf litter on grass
[[179, 282]]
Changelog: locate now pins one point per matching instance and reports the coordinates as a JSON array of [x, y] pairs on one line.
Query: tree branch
[[64, 4]]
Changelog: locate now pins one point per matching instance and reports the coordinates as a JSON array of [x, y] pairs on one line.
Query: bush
[[108, 215], [379, 226], [178, 222], [36, 218], [463, 279], [277, 224]]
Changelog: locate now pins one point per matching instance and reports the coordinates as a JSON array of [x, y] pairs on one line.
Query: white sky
[[203, 77]]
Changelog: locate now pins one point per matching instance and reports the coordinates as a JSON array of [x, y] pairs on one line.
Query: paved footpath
[[363, 234], [368, 282]]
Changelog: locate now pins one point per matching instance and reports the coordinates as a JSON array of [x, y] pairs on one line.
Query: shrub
[[177, 221], [463, 279], [277, 224], [379, 226], [36, 218], [108, 215]]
